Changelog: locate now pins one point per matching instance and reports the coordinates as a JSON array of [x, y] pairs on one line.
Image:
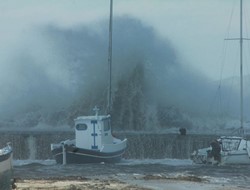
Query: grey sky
[[196, 28]]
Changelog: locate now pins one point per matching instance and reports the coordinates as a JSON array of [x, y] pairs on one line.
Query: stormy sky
[[33, 54], [196, 28]]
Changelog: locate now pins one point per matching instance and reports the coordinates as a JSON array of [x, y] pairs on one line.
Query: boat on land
[[230, 149], [6, 167], [234, 150], [94, 142]]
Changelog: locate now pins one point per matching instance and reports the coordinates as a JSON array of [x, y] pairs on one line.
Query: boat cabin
[[93, 132], [232, 143]]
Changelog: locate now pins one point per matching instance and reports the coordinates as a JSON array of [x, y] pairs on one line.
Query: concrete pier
[[35, 144]]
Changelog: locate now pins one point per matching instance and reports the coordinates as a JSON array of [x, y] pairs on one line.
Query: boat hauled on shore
[[233, 150], [228, 149], [94, 142], [6, 167]]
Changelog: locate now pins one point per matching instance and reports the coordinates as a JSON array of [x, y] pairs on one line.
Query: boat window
[[81, 127], [230, 144], [106, 124]]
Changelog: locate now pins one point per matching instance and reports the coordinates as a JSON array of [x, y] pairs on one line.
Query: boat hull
[[239, 157], [228, 157], [76, 155], [6, 173]]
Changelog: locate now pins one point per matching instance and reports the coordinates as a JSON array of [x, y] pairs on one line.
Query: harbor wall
[[36, 144]]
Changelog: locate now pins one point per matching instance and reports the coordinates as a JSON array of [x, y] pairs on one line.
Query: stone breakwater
[[36, 144]]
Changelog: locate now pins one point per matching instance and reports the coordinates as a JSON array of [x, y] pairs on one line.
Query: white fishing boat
[[229, 149], [234, 150], [6, 167], [94, 142]]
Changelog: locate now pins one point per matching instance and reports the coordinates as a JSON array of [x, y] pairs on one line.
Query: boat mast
[[241, 70], [241, 39], [110, 58]]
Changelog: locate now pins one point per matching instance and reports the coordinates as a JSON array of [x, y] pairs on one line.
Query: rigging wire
[[247, 58], [218, 94], [247, 52], [224, 43]]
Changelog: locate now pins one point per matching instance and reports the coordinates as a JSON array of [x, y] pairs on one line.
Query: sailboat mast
[[241, 39], [110, 57], [241, 66]]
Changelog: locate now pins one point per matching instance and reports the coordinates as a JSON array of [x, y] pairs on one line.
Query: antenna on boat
[[96, 110], [241, 39], [110, 57]]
